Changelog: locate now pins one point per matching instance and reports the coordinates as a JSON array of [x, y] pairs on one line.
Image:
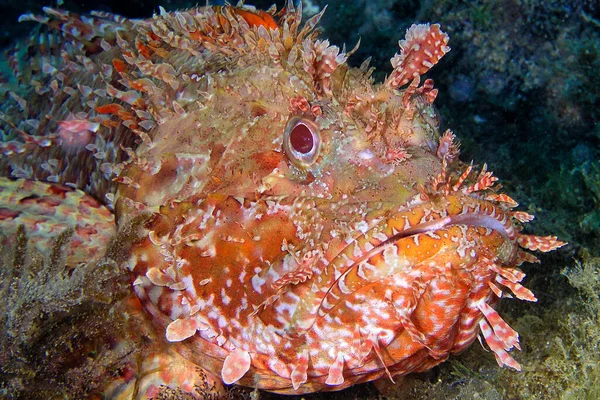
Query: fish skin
[[289, 271]]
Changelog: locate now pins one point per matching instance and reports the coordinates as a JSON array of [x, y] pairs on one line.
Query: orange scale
[[119, 65], [144, 50], [109, 109], [256, 18]]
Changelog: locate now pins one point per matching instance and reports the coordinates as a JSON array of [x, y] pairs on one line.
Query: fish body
[[304, 228]]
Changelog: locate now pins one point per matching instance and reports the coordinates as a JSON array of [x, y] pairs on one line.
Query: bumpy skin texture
[[267, 264]]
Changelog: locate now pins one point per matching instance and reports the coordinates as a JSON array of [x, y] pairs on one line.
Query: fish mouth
[[433, 271]]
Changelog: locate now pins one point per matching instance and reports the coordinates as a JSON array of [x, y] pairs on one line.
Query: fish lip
[[468, 218], [474, 218]]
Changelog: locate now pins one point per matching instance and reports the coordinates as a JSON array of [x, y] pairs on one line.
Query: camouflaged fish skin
[[308, 229]]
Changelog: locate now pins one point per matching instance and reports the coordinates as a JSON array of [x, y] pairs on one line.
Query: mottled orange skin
[[292, 274]]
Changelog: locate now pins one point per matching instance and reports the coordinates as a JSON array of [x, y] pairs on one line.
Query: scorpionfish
[[304, 228]]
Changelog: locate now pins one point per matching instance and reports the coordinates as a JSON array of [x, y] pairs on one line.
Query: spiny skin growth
[[306, 228]]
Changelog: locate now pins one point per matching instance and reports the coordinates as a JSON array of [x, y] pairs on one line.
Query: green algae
[[61, 331]]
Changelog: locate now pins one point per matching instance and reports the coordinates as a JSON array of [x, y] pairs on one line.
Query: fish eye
[[301, 141]]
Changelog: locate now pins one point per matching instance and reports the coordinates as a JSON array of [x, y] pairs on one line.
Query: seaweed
[[590, 221], [60, 324], [575, 190], [584, 330]]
